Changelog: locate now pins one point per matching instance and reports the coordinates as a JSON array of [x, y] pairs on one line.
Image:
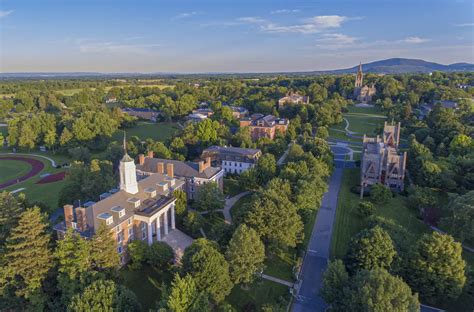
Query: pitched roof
[[232, 150], [181, 168]]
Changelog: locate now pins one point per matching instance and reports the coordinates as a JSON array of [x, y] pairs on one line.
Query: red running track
[[36, 167]]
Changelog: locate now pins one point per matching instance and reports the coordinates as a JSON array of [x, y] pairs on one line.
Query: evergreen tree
[[74, 264], [185, 296], [436, 268], [181, 203], [28, 259], [104, 250], [245, 254], [203, 261], [335, 279], [10, 211]]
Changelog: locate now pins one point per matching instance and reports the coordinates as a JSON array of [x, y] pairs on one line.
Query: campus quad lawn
[[348, 222], [258, 293], [12, 169], [157, 131], [146, 283]]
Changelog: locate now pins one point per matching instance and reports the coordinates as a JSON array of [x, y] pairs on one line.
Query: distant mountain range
[[388, 66], [403, 65]]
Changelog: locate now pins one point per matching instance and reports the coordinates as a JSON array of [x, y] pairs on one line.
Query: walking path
[[317, 255], [276, 280], [229, 203], [282, 159]]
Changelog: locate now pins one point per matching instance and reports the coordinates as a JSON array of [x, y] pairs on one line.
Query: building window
[[143, 235], [117, 228], [119, 249], [121, 213], [109, 221], [143, 226], [130, 232], [130, 221]]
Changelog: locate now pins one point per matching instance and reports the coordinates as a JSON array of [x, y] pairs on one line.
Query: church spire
[[127, 170], [359, 77], [125, 154]]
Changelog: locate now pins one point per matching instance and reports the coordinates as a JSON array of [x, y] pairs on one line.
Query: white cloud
[[336, 40], [5, 13], [414, 40], [465, 25], [186, 15], [285, 11], [311, 25], [252, 20]]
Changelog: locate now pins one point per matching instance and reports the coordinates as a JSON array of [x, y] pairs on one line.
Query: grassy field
[[12, 169], [144, 130], [257, 294], [46, 193], [146, 283], [362, 120]]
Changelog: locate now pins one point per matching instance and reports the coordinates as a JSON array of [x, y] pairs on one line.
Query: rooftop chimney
[[204, 164], [68, 215], [160, 167], [150, 154], [141, 159], [170, 170]]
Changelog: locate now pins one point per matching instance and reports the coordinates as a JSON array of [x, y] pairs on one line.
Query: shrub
[[365, 209], [380, 193]]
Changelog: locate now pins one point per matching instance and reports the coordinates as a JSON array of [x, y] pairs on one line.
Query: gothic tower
[[128, 174], [359, 77]]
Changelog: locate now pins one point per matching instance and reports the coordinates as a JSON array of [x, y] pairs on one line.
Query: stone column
[[166, 222], [150, 234], [158, 228], [173, 226]]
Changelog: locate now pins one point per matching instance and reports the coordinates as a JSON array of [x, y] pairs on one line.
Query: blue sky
[[229, 36]]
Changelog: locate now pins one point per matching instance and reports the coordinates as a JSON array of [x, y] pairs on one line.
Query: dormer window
[[107, 217], [119, 210], [134, 201], [151, 192]]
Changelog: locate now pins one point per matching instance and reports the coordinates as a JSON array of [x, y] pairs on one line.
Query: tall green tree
[[203, 261], [372, 248], [335, 280], [185, 296], [245, 255], [104, 295], [436, 268], [74, 264], [209, 197], [28, 259], [181, 203], [10, 211], [104, 250], [460, 220]]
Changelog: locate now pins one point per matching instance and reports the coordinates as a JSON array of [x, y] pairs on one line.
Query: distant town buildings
[[363, 93], [425, 109], [111, 99], [142, 113], [381, 161], [239, 112], [232, 159], [143, 208], [264, 126], [193, 174], [293, 98]]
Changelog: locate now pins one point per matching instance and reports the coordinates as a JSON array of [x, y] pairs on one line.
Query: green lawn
[[348, 223], [237, 211], [70, 92], [257, 294], [281, 264], [146, 283], [11, 169], [157, 131]]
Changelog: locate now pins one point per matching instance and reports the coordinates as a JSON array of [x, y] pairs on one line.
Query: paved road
[[317, 256]]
